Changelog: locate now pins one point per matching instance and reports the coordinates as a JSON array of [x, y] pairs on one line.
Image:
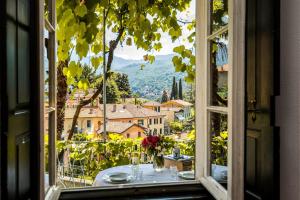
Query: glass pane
[[218, 147], [219, 14], [219, 70]]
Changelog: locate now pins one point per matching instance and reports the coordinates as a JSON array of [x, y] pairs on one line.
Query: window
[[216, 115], [160, 131], [160, 120], [89, 124], [139, 134], [218, 76], [141, 122]]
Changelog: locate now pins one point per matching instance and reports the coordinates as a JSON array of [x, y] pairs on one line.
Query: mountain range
[[150, 80]]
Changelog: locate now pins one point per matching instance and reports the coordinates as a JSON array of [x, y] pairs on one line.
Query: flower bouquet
[[155, 147]]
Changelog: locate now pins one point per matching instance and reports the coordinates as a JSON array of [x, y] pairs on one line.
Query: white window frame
[[235, 110], [50, 25], [236, 107]]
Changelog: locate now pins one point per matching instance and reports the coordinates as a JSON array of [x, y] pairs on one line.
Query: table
[[149, 175]]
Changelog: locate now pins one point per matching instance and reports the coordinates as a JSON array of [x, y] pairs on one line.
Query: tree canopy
[[81, 25]]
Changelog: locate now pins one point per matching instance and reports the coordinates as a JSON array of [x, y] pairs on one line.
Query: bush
[[95, 156]]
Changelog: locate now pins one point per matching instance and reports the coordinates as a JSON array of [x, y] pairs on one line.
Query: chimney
[[114, 108]]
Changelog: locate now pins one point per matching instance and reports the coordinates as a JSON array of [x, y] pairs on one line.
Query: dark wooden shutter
[[20, 100], [261, 157]]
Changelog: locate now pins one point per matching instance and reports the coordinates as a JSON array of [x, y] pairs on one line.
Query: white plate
[[188, 175], [117, 177]]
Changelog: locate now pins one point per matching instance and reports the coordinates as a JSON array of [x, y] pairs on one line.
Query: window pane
[[219, 70], [219, 14], [218, 147]]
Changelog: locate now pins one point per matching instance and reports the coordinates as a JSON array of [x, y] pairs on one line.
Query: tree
[[112, 92], [180, 96], [123, 84], [164, 97], [173, 89], [76, 30], [176, 91], [140, 22]]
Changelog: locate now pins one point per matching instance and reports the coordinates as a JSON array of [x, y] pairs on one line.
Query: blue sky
[[131, 52]]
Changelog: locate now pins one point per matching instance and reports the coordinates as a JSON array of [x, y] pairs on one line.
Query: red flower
[[150, 141]]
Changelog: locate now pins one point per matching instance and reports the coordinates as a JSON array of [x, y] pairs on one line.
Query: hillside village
[[127, 119]]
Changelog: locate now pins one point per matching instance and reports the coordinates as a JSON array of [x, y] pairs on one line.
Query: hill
[[150, 81]]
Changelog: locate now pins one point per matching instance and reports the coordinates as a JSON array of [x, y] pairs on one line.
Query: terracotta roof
[[152, 103], [85, 112], [118, 127], [117, 111], [178, 101]]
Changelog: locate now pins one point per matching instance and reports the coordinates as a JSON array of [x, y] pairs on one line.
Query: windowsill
[[176, 190]]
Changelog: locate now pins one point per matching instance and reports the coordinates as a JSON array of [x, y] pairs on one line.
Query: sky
[[131, 52]]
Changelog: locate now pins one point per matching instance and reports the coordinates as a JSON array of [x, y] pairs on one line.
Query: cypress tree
[[176, 91], [164, 97], [180, 90], [173, 89]]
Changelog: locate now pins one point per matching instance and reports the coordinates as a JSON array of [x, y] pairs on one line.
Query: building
[[129, 113], [181, 109], [89, 120], [128, 130], [152, 105]]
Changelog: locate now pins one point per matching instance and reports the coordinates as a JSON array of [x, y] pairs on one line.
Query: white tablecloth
[[148, 175]]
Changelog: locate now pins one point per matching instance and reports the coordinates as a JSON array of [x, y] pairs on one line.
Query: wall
[[146, 122], [288, 104], [133, 131]]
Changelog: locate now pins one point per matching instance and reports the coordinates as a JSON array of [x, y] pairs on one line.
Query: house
[[89, 119], [129, 113], [181, 109], [128, 130], [153, 105]]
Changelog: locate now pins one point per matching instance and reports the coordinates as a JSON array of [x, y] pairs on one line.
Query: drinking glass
[[174, 172]]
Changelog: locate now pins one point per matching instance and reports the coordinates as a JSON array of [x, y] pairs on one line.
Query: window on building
[[160, 120], [88, 124], [150, 121], [128, 135], [160, 131], [139, 134], [155, 131], [141, 122]]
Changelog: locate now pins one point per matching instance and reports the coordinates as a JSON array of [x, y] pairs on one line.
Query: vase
[[158, 163]]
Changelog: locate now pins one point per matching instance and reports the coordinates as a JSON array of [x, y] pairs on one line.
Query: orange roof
[[121, 111]]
